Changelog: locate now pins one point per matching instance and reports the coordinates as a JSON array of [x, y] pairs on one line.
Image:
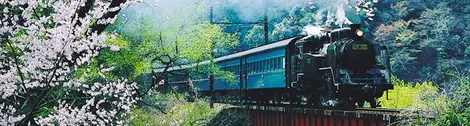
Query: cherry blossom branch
[[47, 46], [68, 98], [17, 65]]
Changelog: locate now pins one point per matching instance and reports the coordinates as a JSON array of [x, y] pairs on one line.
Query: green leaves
[[408, 95]]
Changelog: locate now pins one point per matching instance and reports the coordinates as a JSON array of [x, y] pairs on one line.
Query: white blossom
[[43, 52], [7, 115]]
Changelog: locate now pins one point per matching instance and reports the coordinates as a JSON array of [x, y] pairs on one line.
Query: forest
[[94, 62]]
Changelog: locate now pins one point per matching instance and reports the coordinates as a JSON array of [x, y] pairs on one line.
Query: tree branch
[[154, 106], [17, 66]]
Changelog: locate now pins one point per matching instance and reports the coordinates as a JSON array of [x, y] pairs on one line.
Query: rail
[[289, 115]]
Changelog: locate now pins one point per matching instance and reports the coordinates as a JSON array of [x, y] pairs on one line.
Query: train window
[[265, 65], [275, 63], [269, 64], [254, 67], [279, 62], [272, 64], [260, 66], [283, 62], [249, 67]]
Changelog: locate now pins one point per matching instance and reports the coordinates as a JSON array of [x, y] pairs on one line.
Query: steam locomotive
[[337, 68]]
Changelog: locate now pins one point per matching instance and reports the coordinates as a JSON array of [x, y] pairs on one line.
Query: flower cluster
[[95, 112], [7, 115], [42, 45]]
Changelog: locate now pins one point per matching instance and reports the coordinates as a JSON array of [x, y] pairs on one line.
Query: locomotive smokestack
[[354, 27], [356, 31]]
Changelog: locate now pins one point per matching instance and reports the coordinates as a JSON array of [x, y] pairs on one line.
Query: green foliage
[[127, 62], [425, 104], [407, 95], [141, 117], [205, 40], [178, 112], [453, 119]]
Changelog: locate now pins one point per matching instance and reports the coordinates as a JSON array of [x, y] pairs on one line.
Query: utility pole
[[266, 35], [211, 83]]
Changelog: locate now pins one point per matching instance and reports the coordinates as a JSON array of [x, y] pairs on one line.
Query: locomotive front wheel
[[373, 103], [360, 104], [348, 103]]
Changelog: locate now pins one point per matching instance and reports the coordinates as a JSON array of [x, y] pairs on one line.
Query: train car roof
[[277, 44]]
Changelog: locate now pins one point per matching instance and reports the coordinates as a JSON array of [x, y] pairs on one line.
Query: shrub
[[406, 95], [175, 111]]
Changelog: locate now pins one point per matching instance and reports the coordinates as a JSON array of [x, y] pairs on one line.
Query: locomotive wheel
[[373, 103], [276, 99], [310, 101], [294, 100], [348, 103], [360, 104]]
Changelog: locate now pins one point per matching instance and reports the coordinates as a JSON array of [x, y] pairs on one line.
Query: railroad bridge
[[301, 116]]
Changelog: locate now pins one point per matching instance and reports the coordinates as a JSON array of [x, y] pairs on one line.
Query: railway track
[[302, 115], [284, 107], [380, 110]]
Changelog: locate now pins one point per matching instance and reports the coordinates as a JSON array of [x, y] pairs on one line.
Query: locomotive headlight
[[359, 32]]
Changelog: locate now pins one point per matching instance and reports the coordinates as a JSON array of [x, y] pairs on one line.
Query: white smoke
[[335, 13], [341, 16], [314, 30], [342, 12]]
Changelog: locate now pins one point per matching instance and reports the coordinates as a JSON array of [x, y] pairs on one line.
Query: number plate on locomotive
[[359, 47]]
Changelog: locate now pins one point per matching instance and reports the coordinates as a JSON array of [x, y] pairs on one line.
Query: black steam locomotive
[[336, 68]]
